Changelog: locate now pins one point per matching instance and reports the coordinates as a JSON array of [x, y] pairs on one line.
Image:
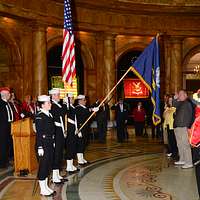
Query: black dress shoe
[[71, 172], [58, 183], [54, 193], [49, 195], [82, 164], [64, 179], [87, 163]]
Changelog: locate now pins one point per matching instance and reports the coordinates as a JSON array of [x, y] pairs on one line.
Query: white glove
[[54, 144], [22, 115], [79, 134], [176, 96], [65, 100], [34, 128], [95, 109], [40, 151]]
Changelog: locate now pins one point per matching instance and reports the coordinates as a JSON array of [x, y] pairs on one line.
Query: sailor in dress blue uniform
[[45, 135]]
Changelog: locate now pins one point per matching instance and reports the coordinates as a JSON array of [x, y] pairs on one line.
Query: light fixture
[[197, 69]]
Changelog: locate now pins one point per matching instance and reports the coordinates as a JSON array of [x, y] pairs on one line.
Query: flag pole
[[105, 98]]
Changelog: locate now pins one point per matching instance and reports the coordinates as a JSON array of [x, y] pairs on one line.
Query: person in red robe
[[16, 107], [28, 109]]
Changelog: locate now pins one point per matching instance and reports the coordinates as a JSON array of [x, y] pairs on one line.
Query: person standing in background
[[27, 107], [16, 109], [34, 105], [139, 119], [16, 106], [182, 121], [102, 117], [6, 117], [121, 119], [168, 116]]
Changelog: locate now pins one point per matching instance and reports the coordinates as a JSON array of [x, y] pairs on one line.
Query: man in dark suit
[[121, 119], [6, 117], [102, 117]]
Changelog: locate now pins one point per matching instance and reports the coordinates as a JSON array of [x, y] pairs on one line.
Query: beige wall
[[103, 35]]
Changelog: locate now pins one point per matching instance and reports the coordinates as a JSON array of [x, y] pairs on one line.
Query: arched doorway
[[123, 63], [54, 64], [191, 73]]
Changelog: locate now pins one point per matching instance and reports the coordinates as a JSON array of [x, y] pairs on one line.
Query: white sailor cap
[[54, 91], [43, 98], [80, 96], [70, 94]]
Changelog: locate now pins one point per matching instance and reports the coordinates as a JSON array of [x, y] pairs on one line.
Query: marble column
[[176, 80], [40, 82], [99, 63], [109, 77], [167, 57], [26, 48]]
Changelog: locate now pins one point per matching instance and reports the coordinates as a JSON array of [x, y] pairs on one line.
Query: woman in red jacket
[[28, 109], [139, 119]]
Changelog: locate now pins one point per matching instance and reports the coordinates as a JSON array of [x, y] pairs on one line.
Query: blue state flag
[[147, 68]]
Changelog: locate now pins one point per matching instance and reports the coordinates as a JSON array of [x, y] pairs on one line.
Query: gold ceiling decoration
[[194, 76]]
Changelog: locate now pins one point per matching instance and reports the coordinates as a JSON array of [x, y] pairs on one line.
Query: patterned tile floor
[[135, 170]]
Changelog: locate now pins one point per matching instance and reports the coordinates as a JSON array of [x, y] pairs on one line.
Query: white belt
[[58, 124], [71, 121], [62, 126]]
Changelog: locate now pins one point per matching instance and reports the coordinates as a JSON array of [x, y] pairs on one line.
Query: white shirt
[[121, 107]]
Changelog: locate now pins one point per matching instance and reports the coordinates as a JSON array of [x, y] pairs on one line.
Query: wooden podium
[[24, 145]]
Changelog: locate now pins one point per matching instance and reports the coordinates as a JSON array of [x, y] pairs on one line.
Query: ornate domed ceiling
[[175, 6], [116, 16], [155, 2]]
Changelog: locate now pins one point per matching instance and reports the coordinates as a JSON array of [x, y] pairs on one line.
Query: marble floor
[[135, 170]]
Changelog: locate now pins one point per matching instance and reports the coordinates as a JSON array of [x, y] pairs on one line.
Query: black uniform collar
[[55, 102], [45, 112], [72, 105], [82, 105]]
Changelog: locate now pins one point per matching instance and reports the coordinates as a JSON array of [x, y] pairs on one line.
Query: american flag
[[68, 51]]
